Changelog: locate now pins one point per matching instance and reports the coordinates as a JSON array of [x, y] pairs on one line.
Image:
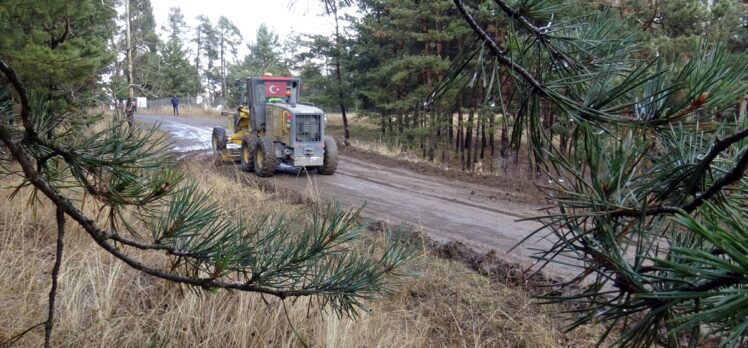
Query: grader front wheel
[[264, 157], [330, 160], [247, 158]]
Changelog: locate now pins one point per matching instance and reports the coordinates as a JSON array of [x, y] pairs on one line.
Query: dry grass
[[366, 136], [102, 302]]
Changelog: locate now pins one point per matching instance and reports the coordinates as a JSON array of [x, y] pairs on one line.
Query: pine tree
[[229, 38], [401, 49], [178, 75], [176, 25], [146, 63], [206, 41], [332, 8], [59, 47], [264, 53], [264, 57]]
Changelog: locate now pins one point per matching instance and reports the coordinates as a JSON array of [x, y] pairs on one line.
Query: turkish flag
[[275, 89]]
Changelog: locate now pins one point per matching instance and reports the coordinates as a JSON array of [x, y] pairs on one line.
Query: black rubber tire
[[218, 143], [264, 157], [248, 154], [330, 162]]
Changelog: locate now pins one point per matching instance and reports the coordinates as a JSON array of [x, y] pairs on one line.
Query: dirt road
[[479, 216]]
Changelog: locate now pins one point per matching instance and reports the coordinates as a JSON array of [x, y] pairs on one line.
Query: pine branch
[[734, 175], [512, 13], [60, 218], [23, 94], [731, 177], [500, 52], [718, 147], [54, 42]]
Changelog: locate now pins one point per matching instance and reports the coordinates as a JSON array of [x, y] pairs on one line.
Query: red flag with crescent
[[275, 89]]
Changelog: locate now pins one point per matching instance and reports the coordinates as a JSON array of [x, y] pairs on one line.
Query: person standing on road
[[175, 104]]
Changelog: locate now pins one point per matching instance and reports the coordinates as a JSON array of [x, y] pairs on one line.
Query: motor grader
[[271, 127]]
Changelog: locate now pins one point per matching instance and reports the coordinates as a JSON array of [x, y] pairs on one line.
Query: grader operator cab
[[271, 127]]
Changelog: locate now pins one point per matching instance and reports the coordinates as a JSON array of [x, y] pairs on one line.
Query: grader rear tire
[[218, 142], [248, 156], [330, 160], [264, 157]]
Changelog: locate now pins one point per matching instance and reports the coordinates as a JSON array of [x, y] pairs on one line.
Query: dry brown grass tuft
[[102, 302]]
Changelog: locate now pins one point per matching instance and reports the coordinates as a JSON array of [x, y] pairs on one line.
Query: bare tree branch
[[734, 175], [717, 148], [23, 94], [60, 217], [512, 13], [499, 51]]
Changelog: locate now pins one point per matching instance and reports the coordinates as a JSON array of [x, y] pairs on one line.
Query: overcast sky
[[247, 15]]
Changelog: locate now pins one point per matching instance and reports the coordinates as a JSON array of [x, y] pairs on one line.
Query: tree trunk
[[223, 70], [48, 325], [483, 141], [504, 142], [469, 140], [478, 125], [384, 125], [458, 143], [339, 75], [130, 90], [562, 142], [432, 139], [199, 43], [492, 135]]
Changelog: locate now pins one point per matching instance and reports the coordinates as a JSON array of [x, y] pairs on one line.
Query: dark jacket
[[174, 101]]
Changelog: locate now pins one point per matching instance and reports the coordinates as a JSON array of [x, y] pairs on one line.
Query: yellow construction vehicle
[[271, 127]]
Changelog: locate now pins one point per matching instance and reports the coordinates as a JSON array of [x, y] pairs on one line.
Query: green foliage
[[58, 46], [179, 76], [145, 49], [229, 37], [265, 56], [176, 25], [205, 39], [674, 27]]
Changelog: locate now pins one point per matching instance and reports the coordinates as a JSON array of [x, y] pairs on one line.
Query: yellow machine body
[[236, 138]]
